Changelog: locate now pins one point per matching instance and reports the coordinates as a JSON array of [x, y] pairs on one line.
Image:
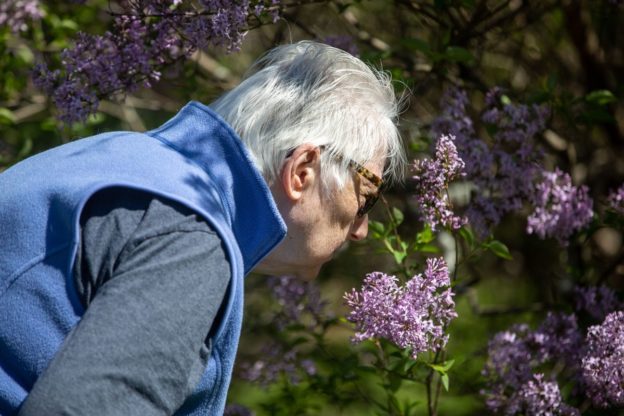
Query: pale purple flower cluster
[[235, 409], [299, 302], [603, 363], [276, 362], [539, 397], [15, 14], [432, 178], [145, 38], [597, 301], [503, 168], [413, 316], [615, 200], [560, 208], [513, 355], [344, 42], [269, 8]]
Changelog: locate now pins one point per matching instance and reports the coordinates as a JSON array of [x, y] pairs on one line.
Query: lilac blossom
[[276, 362], [270, 8], [145, 38], [413, 316], [539, 397], [597, 301], [615, 200], [603, 363], [298, 301], [558, 337], [432, 178], [502, 168], [235, 409], [512, 387], [560, 208], [344, 42], [15, 14], [509, 359]]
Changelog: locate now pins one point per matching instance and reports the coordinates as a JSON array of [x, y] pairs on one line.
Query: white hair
[[310, 92]]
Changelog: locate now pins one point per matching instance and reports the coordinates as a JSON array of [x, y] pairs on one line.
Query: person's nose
[[359, 229]]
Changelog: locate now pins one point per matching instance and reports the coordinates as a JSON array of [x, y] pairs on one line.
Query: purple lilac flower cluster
[[432, 177], [15, 14], [615, 200], [502, 169], [597, 301], [235, 409], [299, 302], [146, 37], [413, 316], [560, 208], [512, 385], [603, 363], [275, 362], [344, 42], [539, 397], [296, 303]]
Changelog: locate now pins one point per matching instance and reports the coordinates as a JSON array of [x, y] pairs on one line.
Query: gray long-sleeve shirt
[[152, 276]]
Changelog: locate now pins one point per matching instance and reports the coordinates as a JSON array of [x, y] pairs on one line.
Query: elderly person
[[123, 254]]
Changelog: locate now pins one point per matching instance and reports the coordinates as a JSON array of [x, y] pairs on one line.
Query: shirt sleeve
[[152, 276]]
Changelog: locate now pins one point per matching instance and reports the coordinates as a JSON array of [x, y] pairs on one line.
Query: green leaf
[[425, 236], [25, 54], [417, 44], [377, 228], [394, 382], [468, 236], [399, 256], [448, 364], [499, 249], [428, 248], [600, 97], [458, 54], [445, 381], [505, 100], [395, 407], [6, 116], [397, 215], [444, 367], [26, 148], [469, 4]]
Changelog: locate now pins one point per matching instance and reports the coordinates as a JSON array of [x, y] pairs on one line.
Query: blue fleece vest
[[196, 159]]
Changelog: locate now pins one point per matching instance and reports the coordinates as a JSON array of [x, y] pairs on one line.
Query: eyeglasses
[[370, 199]]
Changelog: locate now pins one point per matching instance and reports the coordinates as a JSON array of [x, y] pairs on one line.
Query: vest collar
[[203, 137]]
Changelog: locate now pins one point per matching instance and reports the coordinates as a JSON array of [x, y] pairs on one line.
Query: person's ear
[[301, 170]]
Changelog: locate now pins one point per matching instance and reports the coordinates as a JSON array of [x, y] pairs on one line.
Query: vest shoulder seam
[[29, 265]]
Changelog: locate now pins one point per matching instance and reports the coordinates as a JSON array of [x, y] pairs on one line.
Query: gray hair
[[310, 92]]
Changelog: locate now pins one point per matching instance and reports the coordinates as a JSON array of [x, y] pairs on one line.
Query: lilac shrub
[[276, 361], [560, 208], [15, 14], [503, 168], [512, 384], [615, 200], [432, 178], [603, 362], [296, 304], [344, 42], [144, 39], [596, 301], [539, 397], [413, 316]]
